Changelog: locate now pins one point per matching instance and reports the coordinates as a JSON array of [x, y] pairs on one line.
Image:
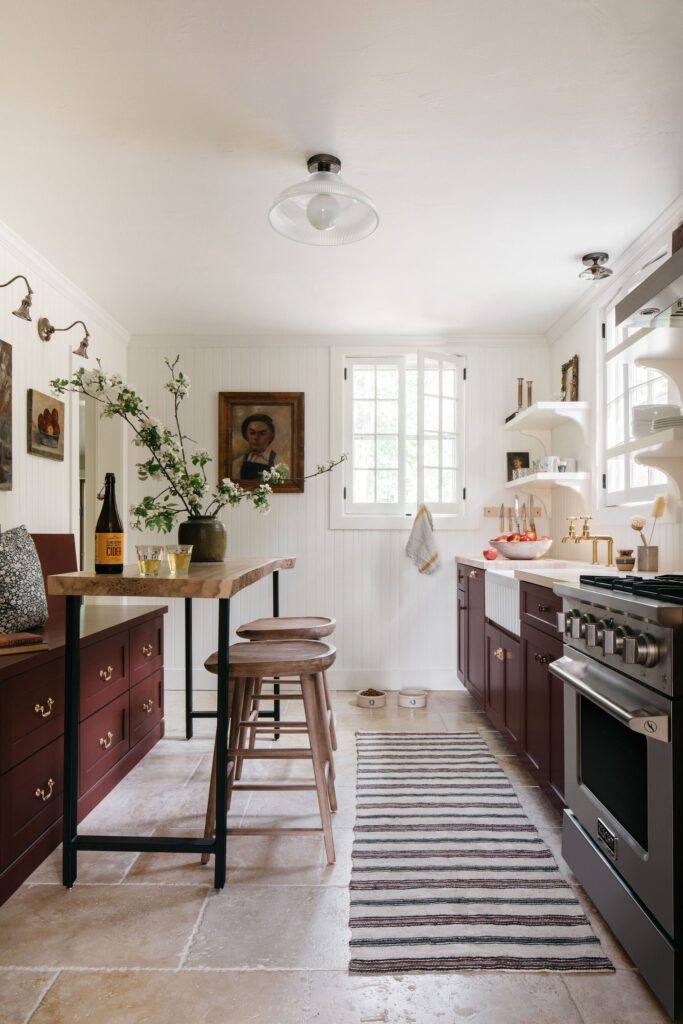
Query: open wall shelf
[[662, 450], [662, 349], [544, 416], [544, 483]]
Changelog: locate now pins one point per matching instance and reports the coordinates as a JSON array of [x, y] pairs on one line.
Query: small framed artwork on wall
[[516, 461], [570, 380], [257, 430], [5, 416], [45, 425]]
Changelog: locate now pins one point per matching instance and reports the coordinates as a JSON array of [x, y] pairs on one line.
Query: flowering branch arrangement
[[638, 523], [169, 459]]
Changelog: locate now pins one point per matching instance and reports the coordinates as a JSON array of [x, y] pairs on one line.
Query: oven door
[[619, 775]]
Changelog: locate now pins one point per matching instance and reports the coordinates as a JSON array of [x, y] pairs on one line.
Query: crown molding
[[624, 265], [175, 342], [35, 263]]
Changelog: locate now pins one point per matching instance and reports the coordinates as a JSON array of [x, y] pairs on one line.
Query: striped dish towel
[[421, 546]]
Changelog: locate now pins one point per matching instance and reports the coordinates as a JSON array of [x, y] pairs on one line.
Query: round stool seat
[[261, 659], [288, 627]]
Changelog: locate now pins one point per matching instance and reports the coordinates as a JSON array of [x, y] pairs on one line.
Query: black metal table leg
[[222, 740], [189, 725], [276, 615], [72, 678]]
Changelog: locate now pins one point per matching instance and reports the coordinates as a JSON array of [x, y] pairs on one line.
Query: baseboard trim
[[341, 679]]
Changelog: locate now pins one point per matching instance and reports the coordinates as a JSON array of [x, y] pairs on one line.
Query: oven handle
[[649, 723]]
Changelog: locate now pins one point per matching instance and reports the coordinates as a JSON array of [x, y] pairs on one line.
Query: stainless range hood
[[659, 291]]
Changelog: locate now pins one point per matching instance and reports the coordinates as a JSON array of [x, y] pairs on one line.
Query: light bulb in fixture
[[322, 211]]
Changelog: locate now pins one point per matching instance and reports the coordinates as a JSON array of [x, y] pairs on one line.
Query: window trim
[[339, 518]]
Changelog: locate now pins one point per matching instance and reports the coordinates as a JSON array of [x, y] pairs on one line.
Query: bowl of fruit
[[521, 545]]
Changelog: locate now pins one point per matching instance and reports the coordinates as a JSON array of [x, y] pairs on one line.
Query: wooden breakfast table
[[218, 581]]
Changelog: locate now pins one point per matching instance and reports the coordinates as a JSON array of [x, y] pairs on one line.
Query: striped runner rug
[[448, 872]]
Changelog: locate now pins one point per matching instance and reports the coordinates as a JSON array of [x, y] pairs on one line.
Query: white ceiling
[[143, 141]]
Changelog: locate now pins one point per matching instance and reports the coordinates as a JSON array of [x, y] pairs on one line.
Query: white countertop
[[544, 572]]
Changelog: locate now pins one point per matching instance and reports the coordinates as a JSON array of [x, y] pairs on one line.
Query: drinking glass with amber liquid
[[149, 559], [179, 557]]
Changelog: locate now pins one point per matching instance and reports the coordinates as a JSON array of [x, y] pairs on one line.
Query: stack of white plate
[[667, 422], [644, 418]]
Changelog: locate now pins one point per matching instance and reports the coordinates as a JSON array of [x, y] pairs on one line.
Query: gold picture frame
[[570, 380]]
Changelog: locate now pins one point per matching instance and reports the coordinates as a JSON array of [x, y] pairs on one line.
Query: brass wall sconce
[[23, 311], [46, 330]]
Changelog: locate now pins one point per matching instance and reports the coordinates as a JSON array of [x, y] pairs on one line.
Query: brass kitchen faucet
[[587, 535]]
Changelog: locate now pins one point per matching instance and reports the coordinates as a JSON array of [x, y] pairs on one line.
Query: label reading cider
[[109, 549]]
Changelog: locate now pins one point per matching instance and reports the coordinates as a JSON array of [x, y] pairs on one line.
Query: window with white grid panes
[[628, 386], [403, 432]]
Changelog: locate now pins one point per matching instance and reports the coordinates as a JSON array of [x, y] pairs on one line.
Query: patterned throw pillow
[[23, 604]]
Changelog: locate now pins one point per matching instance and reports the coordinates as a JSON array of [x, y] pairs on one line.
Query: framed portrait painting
[[45, 423], [570, 380], [516, 461], [256, 430], [5, 416]]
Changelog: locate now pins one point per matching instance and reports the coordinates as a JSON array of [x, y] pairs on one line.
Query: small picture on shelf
[[570, 380], [516, 460]]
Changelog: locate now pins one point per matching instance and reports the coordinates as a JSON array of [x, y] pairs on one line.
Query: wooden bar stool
[[292, 627], [249, 664]]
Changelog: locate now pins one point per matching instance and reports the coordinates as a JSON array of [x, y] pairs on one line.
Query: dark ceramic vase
[[208, 537]]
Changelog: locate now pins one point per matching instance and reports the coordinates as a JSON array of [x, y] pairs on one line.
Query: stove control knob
[[565, 622], [595, 632], [613, 639], [641, 649], [579, 625]]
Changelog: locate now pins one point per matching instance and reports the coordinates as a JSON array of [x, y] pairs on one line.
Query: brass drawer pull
[[107, 673], [40, 708], [473, 575], [542, 608], [45, 795], [500, 653], [542, 659], [148, 705], [106, 743], [147, 650]]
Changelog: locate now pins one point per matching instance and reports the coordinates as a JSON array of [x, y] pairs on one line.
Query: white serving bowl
[[522, 549], [370, 702], [412, 698]]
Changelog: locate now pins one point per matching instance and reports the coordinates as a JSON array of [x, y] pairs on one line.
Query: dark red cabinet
[[502, 679], [544, 718], [474, 625]]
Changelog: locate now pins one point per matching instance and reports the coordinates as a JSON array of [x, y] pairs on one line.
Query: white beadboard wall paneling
[[395, 627], [579, 332], [45, 493]]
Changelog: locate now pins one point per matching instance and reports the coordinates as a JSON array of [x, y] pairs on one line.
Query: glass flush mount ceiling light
[[594, 263], [323, 210]]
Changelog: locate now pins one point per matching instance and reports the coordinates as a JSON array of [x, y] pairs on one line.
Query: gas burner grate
[[668, 587]]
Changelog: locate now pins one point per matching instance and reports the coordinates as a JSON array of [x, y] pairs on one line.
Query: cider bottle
[[109, 532]]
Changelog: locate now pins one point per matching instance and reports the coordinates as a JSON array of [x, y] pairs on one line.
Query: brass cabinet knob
[[473, 574], [147, 650], [40, 708], [500, 653], [542, 659], [148, 705], [107, 673], [105, 742], [45, 794]]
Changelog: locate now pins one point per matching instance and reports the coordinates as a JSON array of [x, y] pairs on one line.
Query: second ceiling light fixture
[[323, 210]]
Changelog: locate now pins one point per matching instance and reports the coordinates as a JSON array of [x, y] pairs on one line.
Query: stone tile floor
[[145, 938]]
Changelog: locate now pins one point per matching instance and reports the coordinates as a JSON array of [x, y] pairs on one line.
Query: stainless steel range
[[622, 669]]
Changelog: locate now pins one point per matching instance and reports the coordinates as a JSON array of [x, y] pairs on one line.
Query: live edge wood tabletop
[[213, 581]]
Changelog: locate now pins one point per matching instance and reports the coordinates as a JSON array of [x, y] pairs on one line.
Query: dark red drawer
[[30, 800], [32, 712], [104, 672], [146, 706], [539, 607], [146, 649], [104, 739]]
